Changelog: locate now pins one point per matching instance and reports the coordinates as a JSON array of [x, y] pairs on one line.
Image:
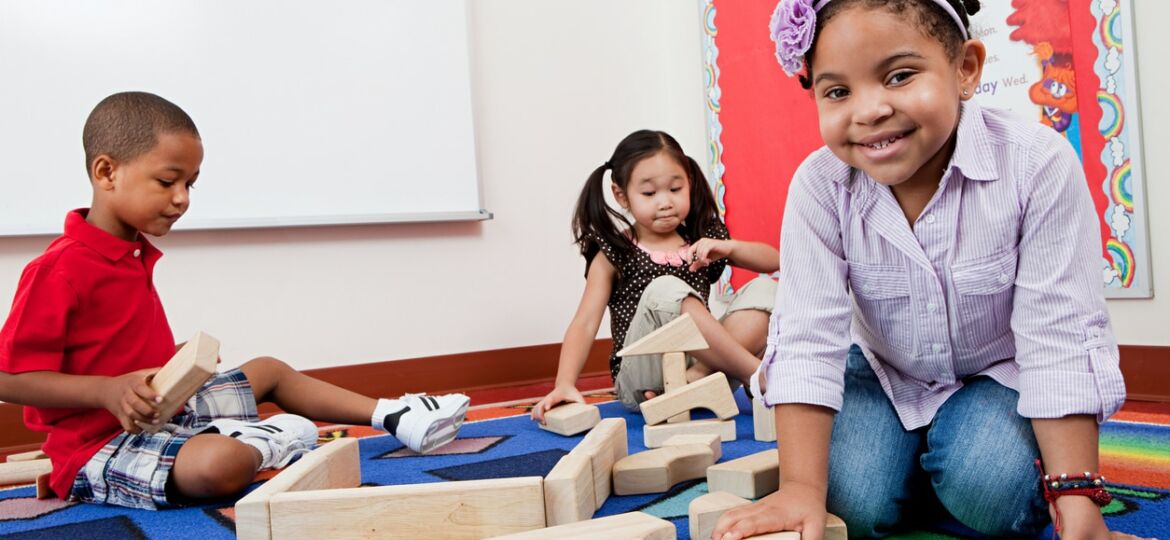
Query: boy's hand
[[708, 250], [554, 398], [131, 399], [792, 508]]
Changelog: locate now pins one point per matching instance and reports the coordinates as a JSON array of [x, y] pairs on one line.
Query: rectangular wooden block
[[834, 530], [335, 464], [26, 456], [456, 510], [705, 510], [710, 392], [183, 375], [763, 421], [568, 491], [605, 445], [710, 440], [571, 418], [674, 377], [750, 477], [23, 472], [632, 525], [654, 436]]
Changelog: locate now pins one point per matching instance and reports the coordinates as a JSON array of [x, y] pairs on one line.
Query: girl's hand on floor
[[557, 396], [130, 399], [793, 508]]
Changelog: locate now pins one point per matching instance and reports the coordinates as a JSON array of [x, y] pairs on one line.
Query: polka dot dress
[[636, 271]]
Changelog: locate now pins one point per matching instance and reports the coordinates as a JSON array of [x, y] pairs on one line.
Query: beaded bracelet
[[1088, 484]]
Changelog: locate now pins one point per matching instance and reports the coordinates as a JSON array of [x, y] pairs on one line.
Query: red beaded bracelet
[[1091, 485]]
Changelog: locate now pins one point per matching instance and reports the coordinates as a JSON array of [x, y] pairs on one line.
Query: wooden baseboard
[[436, 374], [1146, 370]]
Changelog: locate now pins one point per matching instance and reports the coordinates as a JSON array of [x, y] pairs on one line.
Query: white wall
[[557, 84]]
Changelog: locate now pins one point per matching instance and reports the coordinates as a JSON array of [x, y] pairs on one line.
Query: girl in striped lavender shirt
[[940, 339]]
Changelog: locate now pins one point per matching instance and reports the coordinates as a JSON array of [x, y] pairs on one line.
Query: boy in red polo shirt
[[87, 329]]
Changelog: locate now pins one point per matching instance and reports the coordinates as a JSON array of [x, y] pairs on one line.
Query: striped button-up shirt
[[999, 276]]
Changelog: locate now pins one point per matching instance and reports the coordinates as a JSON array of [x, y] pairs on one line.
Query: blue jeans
[[975, 460]]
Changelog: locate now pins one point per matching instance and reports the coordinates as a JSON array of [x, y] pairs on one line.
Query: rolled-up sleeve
[[1065, 347], [808, 333]]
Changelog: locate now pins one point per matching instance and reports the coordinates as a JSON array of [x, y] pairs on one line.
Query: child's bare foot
[[650, 394], [696, 372]]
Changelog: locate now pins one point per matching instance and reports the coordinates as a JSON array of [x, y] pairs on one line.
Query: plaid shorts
[[132, 469]]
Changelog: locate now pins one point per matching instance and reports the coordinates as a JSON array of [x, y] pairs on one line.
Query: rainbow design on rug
[[1112, 114], [1122, 260], [1119, 186]]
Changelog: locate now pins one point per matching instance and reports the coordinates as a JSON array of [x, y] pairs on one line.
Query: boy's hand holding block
[[182, 376], [571, 418]]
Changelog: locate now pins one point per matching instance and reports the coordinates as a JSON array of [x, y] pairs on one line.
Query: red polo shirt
[[87, 306]]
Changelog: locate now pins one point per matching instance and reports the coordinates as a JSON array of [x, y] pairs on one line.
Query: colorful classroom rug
[[500, 442]]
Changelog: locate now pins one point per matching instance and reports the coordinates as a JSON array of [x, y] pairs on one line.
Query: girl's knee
[[1014, 508]]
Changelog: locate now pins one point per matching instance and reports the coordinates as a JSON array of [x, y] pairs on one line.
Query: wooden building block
[[705, 510], [711, 440], [655, 471], [763, 421], [632, 525], [834, 530], [23, 472], [654, 436], [783, 535], [26, 456], [679, 335], [605, 444], [750, 477], [710, 392], [44, 490], [568, 491], [455, 510], [335, 464], [674, 377], [183, 375], [571, 418]]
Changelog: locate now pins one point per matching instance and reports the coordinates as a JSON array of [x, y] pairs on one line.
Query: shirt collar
[[974, 150], [106, 244]]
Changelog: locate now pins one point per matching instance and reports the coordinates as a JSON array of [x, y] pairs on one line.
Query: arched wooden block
[[655, 471], [628, 526], [710, 392], [679, 335]]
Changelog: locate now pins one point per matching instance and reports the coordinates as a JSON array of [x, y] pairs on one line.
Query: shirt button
[[137, 253], [937, 347], [1004, 278], [929, 218], [932, 307]]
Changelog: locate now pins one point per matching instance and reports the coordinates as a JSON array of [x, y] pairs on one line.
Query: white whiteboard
[[311, 112]]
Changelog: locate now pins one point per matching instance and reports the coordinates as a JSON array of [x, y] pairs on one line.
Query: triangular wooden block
[[679, 335]]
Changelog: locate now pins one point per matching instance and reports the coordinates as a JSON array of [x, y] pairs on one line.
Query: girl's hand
[[1081, 519], [130, 399], [557, 396], [708, 250], [793, 508]]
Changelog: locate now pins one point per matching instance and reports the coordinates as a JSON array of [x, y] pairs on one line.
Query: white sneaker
[[281, 438], [428, 422]]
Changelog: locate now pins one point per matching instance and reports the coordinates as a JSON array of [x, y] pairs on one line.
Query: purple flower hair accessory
[[792, 27]]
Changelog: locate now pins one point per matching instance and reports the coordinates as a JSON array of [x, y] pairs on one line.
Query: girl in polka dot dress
[[656, 267]]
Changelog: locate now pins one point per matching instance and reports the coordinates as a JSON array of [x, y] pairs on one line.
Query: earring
[[966, 92]]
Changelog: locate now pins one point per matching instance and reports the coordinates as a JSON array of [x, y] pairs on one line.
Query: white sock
[[385, 408], [262, 446]]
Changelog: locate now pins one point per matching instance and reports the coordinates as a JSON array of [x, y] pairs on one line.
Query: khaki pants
[[661, 303]]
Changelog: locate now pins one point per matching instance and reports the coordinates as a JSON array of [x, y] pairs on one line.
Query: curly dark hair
[[928, 16]]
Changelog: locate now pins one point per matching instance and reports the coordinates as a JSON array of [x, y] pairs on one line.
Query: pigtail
[[704, 211], [593, 219], [971, 7]]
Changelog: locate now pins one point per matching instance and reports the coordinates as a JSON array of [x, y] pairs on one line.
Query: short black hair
[[127, 124], [928, 16]]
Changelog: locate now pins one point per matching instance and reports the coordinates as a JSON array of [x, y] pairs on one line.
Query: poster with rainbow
[[1066, 63]]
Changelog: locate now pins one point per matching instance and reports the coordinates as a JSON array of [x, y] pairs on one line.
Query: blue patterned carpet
[[490, 449]]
